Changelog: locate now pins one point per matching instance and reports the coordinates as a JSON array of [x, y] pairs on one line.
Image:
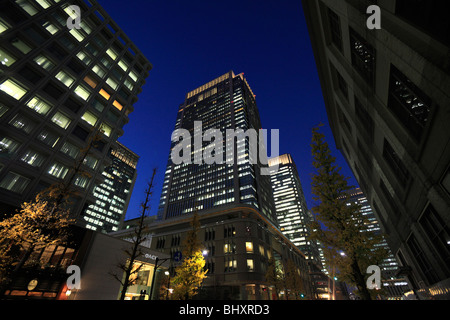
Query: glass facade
[[57, 87], [290, 204], [223, 103]]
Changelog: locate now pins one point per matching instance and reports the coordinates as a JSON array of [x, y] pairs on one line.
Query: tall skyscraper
[[113, 195], [290, 206], [234, 201], [56, 86], [394, 286], [387, 96]]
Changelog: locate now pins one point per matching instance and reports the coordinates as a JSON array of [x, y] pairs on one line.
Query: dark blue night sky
[[192, 42]]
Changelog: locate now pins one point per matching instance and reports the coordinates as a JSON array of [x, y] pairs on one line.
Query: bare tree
[[134, 252]]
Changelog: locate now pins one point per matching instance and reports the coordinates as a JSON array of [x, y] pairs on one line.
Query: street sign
[[177, 256]]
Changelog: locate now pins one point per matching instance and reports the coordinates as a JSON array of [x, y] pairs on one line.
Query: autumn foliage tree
[[191, 273], [340, 227], [40, 222]]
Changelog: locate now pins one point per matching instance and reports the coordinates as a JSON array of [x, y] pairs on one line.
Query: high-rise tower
[[239, 230], [290, 205], [57, 85]]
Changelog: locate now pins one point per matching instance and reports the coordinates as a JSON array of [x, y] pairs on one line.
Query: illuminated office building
[[387, 96], [56, 86], [394, 286], [290, 206], [113, 194], [239, 229]]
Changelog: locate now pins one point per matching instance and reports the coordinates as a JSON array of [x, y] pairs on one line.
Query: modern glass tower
[[113, 195], [290, 205], [57, 86], [224, 103], [238, 224]]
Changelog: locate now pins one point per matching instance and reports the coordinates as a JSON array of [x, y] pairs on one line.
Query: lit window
[[90, 81], [65, 78], [250, 265], [117, 105], [44, 62], [112, 54], [43, 3], [33, 158], [6, 59], [106, 129], [61, 120], [249, 247], [133, 76], [58, 170], [104, 94], [113, 84], [99, 71], [8, 146], [3, 109], [13, 89], [81, 181], [90, 161], [51, 28], [86, 27], [77, 34], [82, 92], [3, 26], [14, 182], [84, 57], [89, 118], [29, 8], [72, 14], [123, 65], [48, 138], [22, 123]]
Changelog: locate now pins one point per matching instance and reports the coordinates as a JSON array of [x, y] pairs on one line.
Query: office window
[[410, 104], [122, 65], [90, 161], [44, 3], [27, 7], [51, 28], [335, 29], [117, 105], [3, 26], [133, 76], [81, 181], [422, 260], [80, 133], [84, 57], [22, 123], [99, 71], [58, 170], [70, 150], [250, 265], [249, 247], [48, 137], [230, 265], [82, 92], [363, 56], [65, 78], [38, 105], [3, 109], [13, 89], [89, 118], [33, 158], [112, 54], [395, 163], [90, 81], [106, 129], [14, 182], [438, 232], [61, 120], [8, 146], [113, 84], [77, 35], [21, 46], [6, 58], [44, 62]]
